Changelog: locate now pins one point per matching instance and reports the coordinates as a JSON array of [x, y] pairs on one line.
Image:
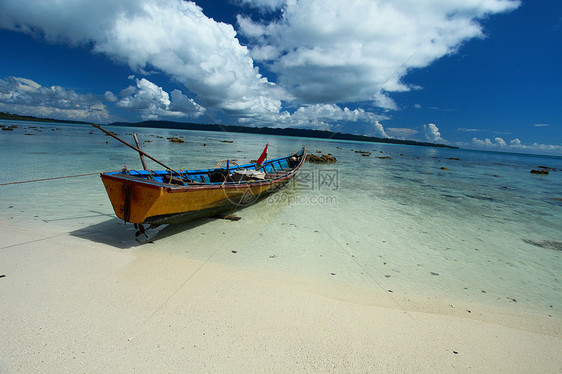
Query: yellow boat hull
[[139, 201], [167, 196]]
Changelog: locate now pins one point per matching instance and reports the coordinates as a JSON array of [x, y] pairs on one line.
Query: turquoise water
[[483, 229]]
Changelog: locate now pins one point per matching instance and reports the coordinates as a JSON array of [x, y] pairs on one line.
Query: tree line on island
[[17, 117], [304, 133]]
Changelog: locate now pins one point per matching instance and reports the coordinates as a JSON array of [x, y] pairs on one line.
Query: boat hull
[[140, 200]]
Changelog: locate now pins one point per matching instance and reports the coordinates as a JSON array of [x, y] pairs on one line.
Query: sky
[[482, 74]]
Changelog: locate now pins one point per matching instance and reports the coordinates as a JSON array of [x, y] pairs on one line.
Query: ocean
[[430, 222]]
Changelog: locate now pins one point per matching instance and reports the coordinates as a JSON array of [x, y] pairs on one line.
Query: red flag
[[263, 155]]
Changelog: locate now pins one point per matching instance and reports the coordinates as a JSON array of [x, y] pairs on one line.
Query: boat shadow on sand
[[114, 232]]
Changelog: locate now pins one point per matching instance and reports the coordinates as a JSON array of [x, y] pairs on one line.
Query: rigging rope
[[49, 179]]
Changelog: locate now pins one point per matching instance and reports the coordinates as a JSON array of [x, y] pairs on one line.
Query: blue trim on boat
[[202, 176]]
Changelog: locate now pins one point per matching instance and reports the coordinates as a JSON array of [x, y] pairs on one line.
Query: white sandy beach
[[73, 305]]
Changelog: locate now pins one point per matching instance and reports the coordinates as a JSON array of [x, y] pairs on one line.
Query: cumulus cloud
[[356, 50], [482, 143], [110, 97], [318, 52], [172, 36], [432, 134], [401, 132], [25, 96], [500, 142], [265, 4], [514, 145], [324, 116], [153, 102]]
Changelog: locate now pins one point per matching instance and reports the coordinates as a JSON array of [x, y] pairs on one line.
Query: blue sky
[[471, 73]]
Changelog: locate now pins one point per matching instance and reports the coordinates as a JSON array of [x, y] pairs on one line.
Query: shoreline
[[71, 304]]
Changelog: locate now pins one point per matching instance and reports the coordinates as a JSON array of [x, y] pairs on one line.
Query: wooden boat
[[168, 196]]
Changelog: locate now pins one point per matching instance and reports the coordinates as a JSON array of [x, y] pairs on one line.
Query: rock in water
[[539, 171], [324, 159]]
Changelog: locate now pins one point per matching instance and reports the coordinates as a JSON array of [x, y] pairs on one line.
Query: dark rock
[[324, 159], [175, 139], [364, 153], [539, 171]]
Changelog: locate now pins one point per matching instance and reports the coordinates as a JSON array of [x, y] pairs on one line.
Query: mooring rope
[[49, 179]]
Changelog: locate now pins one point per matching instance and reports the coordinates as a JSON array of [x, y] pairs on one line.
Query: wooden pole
[[140, 154], [132, 146]]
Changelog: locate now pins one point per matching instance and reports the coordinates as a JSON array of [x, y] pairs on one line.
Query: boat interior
[[226, 172]]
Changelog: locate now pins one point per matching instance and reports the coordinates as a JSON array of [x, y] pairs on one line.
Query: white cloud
[[320, 52], [110, 97], [500, 142], [342, 51], [401, 132], [482, 143], [182, 103], [432, 134], [323, 116], [541, 125], [153, 102], [265, 4], [497, 142], [172, 36], [146, 95], [514, 145], [24, 96]]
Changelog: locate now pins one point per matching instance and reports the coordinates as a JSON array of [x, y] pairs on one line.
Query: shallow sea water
[[483, 230]]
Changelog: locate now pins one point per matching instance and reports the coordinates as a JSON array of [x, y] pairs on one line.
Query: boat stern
[[131, 201]]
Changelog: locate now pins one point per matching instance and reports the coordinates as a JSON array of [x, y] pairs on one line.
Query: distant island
[[304, 133], [17, 117]]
